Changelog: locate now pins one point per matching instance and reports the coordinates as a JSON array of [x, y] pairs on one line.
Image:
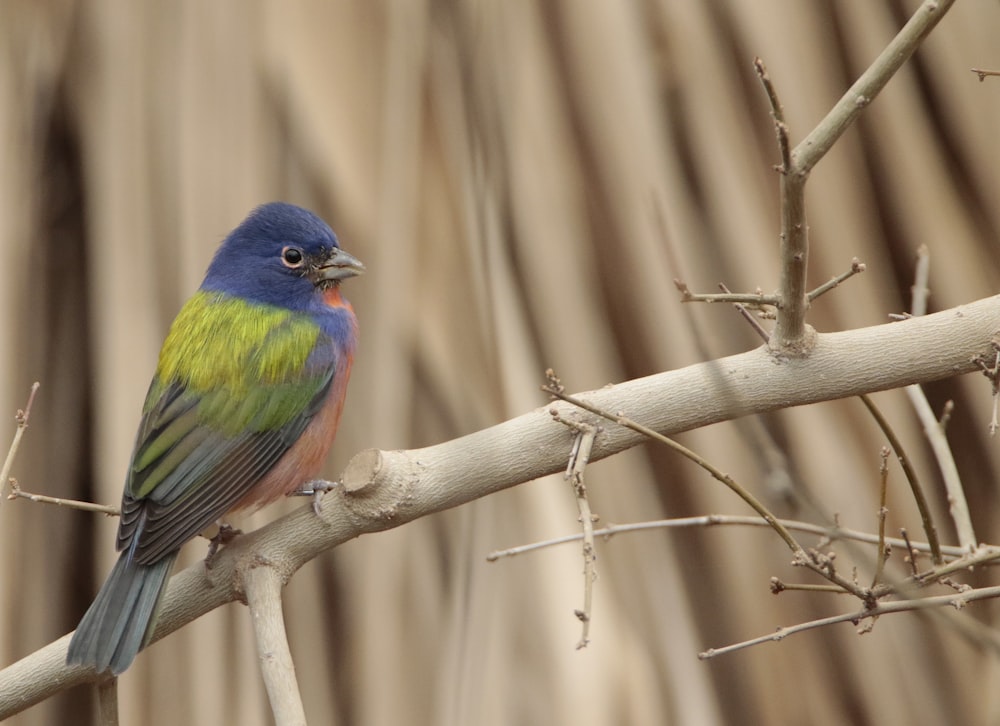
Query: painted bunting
[[242, 410]]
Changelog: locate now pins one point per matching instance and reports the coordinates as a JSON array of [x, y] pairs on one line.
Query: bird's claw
[[224, 536], [315, 489]]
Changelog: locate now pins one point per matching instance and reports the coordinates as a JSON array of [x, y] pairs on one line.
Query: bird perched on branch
[[242, 411]]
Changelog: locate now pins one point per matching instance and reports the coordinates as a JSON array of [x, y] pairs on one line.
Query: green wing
[[211, 431]]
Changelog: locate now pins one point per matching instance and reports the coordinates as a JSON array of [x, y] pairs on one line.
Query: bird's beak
[[339, 266]]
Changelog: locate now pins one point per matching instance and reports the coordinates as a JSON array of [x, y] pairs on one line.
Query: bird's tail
[[121, 619]]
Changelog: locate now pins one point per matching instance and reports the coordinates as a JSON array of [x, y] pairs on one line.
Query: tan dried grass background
[[523, 181]]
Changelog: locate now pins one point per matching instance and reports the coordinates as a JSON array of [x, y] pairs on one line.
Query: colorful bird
[[242, 411]]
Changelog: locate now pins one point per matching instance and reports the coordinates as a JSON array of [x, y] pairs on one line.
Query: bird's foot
[[224, 536], [315, 489]]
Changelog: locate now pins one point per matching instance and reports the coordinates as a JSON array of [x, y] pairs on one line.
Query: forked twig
[[957, 601], [21, 419], [816, 561], [579, 457], [791, 335], [13, 487], [726, 479], [911, 476]]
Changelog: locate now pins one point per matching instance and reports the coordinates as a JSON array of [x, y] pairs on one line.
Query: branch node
[[742, 309], [983, 73]]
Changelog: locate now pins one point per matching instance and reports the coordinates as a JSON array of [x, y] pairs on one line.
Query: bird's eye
[[292, 257]]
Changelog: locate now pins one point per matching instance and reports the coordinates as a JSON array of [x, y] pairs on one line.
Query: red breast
[[303, 460]]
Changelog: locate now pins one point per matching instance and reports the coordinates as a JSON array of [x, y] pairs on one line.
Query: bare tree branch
[[934, 429], [926, 518], [16, 492], [107, 702], [791, 334], [384, 489], [263, 593], [957, 601], [21, 418], [716, 520], [983, 73], [864, 90]]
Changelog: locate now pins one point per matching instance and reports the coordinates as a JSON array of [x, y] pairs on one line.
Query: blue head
[[280, 255]]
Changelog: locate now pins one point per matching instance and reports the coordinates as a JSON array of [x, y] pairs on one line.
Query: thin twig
[[17, 493], [21, 419], [712, 520], [777, 587], [958, 506], [911, 476], [994, 423], [882, 554], [14, 490], [755, 298], [857, 267], [983, 73], [958, 601], [748, 316], [578, 463], [778, 114], [579, 457], [726, 479], [984, 554], [732, 297], [962, 562], [991, 369], [911, 554], [814, 560]]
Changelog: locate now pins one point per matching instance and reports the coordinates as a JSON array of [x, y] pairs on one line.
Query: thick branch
[[384, 489]]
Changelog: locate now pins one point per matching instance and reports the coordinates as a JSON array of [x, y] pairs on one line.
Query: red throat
[[332, 298]]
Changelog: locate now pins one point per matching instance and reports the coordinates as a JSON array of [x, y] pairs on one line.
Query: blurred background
[[523, 181]]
